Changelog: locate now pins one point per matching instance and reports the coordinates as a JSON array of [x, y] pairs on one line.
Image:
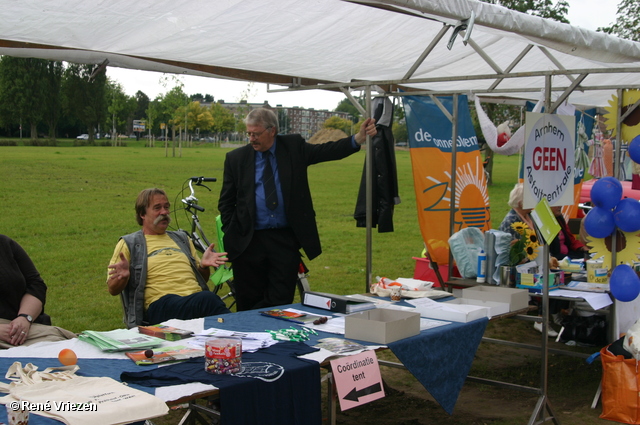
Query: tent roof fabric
[[330, 44]]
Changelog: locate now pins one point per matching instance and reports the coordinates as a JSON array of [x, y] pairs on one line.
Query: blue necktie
[[270, 193]]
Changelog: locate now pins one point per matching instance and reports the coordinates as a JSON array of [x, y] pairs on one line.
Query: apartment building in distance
[[293, 120]]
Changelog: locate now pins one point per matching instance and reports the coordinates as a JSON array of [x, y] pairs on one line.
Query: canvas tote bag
[[79, 400]]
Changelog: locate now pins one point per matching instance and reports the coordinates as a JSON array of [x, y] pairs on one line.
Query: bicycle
[[223, 274], [201, 242]]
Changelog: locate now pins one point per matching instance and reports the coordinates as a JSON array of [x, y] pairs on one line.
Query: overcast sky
[[589, 14]]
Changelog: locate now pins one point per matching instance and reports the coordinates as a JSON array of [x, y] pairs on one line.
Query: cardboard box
[[533, 281], [381, 325], [454, 311], [516, 298], [495, 308]]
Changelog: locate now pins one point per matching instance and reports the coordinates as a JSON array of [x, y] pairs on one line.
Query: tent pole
[[616, 172], [369, 191], [544, 406], [452, 195]]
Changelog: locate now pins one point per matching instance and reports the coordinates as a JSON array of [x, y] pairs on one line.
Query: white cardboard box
[[453, 311], [495, 308], [381, 325], [516, 298]]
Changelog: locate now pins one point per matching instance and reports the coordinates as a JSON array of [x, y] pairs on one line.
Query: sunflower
[[631, 125], [531, 252], [519, 227], [627, 247], [532, 238]]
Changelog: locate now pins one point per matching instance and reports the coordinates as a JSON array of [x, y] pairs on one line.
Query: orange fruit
[[67, 357]]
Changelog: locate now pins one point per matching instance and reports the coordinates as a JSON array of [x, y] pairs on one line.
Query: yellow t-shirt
[[168, 269]]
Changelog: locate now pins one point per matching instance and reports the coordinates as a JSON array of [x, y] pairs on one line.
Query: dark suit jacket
[[237, 202]]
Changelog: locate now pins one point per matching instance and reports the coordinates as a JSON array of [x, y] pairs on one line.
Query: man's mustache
[[160, 218]]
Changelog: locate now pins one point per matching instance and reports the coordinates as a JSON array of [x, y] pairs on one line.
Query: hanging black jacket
[[384, 173]]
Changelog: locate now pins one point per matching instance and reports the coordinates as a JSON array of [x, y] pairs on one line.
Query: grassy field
[[67, 206]]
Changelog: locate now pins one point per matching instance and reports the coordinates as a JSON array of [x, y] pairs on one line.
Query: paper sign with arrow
[[358, 379]]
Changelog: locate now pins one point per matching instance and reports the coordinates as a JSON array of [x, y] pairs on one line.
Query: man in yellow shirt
[[158, 273]]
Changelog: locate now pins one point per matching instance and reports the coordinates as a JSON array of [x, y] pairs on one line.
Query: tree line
[[50, 99]]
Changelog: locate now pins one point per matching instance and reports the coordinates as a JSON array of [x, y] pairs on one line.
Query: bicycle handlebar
[[192, 205], [201, 179]]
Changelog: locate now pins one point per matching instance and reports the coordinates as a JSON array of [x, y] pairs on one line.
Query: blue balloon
[[634, 149], [599, 222], [627, 215], [606, 192], [624, 283]]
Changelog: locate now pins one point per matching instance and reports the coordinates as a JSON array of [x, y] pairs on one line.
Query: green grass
[[67, 206]]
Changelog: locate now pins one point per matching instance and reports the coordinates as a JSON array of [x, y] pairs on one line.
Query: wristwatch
[[26, 316]]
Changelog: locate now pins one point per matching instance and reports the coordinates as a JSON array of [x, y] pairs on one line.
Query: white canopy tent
[[422, 46], [330, 44]]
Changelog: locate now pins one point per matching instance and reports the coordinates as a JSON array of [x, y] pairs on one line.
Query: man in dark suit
[[266, 207]]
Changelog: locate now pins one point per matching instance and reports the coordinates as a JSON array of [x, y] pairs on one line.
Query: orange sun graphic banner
[[430, 146]]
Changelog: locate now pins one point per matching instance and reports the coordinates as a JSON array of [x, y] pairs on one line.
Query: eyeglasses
[[251, 134]]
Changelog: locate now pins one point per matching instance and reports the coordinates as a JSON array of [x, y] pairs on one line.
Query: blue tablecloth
[[440, 358]]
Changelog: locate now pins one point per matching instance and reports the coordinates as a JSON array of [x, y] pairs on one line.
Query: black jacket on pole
[[384, 173]]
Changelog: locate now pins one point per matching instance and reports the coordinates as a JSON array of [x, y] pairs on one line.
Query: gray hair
[[262, 116], [516, 196]]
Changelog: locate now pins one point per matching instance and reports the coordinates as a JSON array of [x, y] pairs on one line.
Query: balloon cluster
[[611, 211]]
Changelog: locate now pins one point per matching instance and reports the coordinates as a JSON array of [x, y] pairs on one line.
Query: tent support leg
[[538, 416]]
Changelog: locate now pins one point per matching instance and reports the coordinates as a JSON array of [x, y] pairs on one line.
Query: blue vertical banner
[[430, 146]]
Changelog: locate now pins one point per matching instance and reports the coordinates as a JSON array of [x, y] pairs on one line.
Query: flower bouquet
[[524, 248]]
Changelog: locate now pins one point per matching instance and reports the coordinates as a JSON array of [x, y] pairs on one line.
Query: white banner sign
[[549, 157]]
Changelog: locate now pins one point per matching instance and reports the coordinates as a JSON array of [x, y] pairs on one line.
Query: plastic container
[[223, 356], [482, 267]]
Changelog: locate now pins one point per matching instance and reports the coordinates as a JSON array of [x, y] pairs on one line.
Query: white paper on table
[[323, 354], [251, 341], [193, 325], [334, 325], [428, 303], [376, 300], [431, 323], [414, 284], [175, 392], [596, 300]]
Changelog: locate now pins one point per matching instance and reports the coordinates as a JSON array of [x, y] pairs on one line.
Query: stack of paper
[[251, 341], [120, 340]]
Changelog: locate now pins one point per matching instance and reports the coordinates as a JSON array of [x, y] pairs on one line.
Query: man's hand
[[368, 128], [213, 259], [118, 275]]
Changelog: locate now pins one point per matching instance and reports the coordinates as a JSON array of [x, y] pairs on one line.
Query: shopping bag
[[465, 246], [79, 400], [620, 397]]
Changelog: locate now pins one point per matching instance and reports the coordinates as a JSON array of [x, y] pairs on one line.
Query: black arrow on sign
[[354, 394]]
